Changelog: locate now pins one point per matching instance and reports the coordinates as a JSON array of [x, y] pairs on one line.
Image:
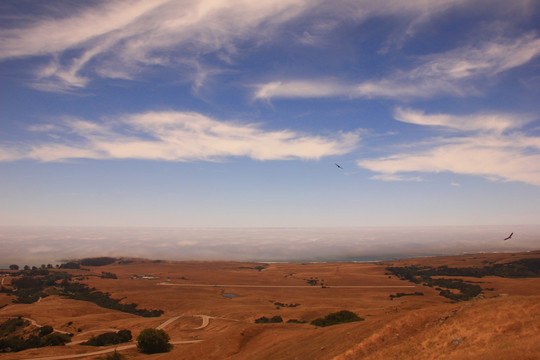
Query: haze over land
[[38, 245]]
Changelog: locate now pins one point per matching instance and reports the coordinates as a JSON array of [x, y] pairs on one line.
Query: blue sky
[[233, 113]]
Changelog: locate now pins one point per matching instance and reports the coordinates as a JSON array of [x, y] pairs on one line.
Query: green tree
[[340, 317], [54, 339], [14, 267], [45, 330], [151, 341]]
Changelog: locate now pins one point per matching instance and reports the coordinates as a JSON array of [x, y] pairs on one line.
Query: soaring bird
[[509, 236], [338, 166]]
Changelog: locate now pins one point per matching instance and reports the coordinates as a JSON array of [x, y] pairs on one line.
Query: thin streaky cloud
[[448, 73], [490, 152], [175, 136], [497, 122], [301, 89]]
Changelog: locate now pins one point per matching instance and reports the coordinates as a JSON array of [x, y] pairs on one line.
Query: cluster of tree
[[522, 268], [398, 295], [109, 338], [467, 291], [272, 320], [108, 275], [340, 317], [258, 267], [40, 337], [29, 289], [285, 305], [70, 265], [295, 321], [152, 341], [33, 271], [423, 275], [26, 267], [78, 291], [312, 281], [10, 326], [98, 261]]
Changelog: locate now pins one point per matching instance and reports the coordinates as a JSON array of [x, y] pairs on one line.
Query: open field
[[210, 310]]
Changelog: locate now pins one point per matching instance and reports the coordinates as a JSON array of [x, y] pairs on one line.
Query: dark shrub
[[124, 335], [45, 330], [109, 338], [265, 320], [54, 339], [151, 341], [339, 317]]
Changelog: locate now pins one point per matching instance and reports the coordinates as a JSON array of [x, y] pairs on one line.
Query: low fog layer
[[44, 245]]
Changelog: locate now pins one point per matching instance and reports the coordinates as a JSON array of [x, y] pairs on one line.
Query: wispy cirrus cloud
[[487, 145], [449, 73], [174, 136], [487, 122], [121, 38]]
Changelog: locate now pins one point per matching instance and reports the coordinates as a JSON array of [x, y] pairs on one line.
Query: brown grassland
[[502, 323]]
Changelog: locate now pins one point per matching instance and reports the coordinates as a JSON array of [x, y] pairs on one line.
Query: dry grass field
[[210, 310]]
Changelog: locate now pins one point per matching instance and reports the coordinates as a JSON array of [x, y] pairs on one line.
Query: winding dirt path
[[205, 322], [171, 320], [35, 323], [105, 351]]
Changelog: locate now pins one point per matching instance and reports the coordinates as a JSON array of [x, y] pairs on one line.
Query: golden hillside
[[210, 308]]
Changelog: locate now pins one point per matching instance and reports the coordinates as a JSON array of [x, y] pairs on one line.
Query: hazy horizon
[[34, 246], [283, 116]]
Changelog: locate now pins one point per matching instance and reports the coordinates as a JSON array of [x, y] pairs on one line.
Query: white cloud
[[489, 58], [449, 73], [123, 36], [176, 136], [496, 122], [120, 38], [481, 148], [301, 89]]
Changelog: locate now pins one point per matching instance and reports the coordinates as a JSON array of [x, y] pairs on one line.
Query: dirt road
[[105, 351], [205, 322], [34, 322], [291, 286]]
